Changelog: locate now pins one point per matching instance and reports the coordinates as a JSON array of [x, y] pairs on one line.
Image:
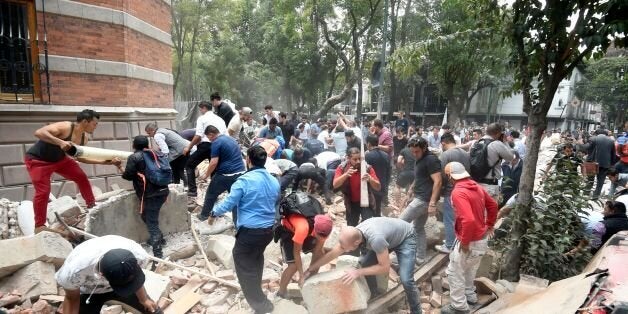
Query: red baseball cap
[[323, 225]]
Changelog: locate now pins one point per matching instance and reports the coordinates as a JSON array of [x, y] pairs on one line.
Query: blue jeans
[[218, 184], [406, 253], [449, 219]]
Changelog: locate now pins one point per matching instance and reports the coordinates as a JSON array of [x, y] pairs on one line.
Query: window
[[19, 78]]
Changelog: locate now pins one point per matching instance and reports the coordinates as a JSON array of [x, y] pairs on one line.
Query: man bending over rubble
[[379, 235], [48, 156], [297, 237], [255, 195], [104, 269]]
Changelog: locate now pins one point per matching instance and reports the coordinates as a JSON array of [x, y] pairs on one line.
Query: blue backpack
[[158, 171]]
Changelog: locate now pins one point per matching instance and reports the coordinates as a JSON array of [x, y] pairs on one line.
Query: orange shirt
[[299, 226]]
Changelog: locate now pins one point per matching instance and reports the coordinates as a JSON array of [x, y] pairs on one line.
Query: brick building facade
[[59, 57]]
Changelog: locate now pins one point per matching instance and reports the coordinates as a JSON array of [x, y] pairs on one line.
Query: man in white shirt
[[104, 269], [203, 149], [323, 135], [170, 143]]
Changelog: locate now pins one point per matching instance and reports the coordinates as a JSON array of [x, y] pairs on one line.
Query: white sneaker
[[442, 249]]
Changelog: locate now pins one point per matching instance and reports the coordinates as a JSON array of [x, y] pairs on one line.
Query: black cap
[[120, 268], [349, 133]]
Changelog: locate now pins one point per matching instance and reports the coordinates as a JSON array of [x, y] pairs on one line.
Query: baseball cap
[[120, 268], [349, 133], [323, 225], [456, 170]]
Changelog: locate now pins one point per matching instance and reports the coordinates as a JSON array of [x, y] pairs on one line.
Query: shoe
[[442, 249], [201, 217], [419, 261], [472, 299], [450, 309]]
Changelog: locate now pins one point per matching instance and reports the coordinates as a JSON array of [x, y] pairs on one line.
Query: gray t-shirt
[[382, 233], [408, 159], [284, 164], [497, 150], [453, 154]]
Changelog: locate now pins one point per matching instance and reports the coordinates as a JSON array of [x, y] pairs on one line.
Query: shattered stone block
[[124, 210], [156, 285], [293, 291], [42, 307], [436, 299], [286, 306], [347, 261], [219, 247], [337, 296], [185, 251], [65, 206], [216, 298], [46, 246], [32, 281]]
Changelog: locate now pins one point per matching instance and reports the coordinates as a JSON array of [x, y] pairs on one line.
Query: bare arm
[[213, 163], [52, 134], [335, 252], [195, 140], [437, 178], [72, 301]]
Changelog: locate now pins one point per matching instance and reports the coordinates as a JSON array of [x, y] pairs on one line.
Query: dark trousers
[[178, 170], [377, 208], [150, 216], [316, 174], [203, 151], [248, 255], [218, 184], [600, 177], [96, 301], [355, 211], [288, 177]]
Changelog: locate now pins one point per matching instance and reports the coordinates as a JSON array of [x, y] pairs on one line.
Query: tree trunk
[[336, 99], [454, 108]]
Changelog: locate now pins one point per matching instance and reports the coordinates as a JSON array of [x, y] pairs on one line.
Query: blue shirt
[[229, 155], [255, 195], [267, 133]]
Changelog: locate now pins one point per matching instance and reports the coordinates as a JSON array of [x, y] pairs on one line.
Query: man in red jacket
[[475, 212]]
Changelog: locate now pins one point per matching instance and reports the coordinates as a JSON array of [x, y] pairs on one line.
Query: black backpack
[[299, 203], [478, 159]]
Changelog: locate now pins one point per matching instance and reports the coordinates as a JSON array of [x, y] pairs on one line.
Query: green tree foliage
[[554, 228], [605, 82], [548, 40], [461, 54]]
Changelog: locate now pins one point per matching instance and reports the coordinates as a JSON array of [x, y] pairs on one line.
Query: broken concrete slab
[[347, 261], [42, 307], [510, 286], [46, 246], [124, 210], [185, 251], [436, 299], [220, 247], [65, 206], [284, 306], [32, 281], [156, 285], [293, 291], [484, 285], [218, 297], [338, 297]]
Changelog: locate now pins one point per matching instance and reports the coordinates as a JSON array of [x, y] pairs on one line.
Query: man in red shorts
[[48, 156]]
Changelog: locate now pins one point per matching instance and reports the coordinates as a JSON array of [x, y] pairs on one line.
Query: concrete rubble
[[9, 227], [339, 298], [46, 246]]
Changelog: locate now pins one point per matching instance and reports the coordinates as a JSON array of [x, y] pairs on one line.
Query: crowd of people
[[475, 169]]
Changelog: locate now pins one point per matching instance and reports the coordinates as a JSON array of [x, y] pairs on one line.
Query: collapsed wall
[[120, 215]]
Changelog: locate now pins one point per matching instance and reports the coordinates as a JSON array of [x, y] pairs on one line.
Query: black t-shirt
[[355, 143], [381, 164], [399, 144], [304, 158], [423, 169], [225, 112], [408, 159], [287, 129]]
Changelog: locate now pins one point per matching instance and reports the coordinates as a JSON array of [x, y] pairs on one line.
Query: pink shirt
[[386, 138]]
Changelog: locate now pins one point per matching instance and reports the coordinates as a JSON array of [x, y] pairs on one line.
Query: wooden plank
[[193, 284], [52, 297], [381, 303], [182, 305]]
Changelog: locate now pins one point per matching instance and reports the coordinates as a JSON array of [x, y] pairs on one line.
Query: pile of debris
[[9, 227]]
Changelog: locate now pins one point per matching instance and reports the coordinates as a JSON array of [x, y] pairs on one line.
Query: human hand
[[464, 248], [301, 280], [306, 275], [150, 305], [431, 209], [350, 276], [351, 171], [366, 177], [116, 161], [65, 145], [186, 151], [490, 233]]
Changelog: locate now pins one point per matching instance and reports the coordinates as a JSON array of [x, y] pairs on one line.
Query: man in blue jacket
[[255, 195]]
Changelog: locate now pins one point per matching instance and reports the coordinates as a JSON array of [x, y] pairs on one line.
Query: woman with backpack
[[151, 187]]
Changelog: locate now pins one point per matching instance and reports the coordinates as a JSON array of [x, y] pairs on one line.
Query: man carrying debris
[[300, 237], [104, 269], [380, 236], [475, 212], [225, 166], [48, 156], [172, 144], [151, 196], [203, 149], [255, 195], [289, 172]]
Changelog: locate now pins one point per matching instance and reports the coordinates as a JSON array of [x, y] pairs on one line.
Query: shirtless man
[[49, 155]]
